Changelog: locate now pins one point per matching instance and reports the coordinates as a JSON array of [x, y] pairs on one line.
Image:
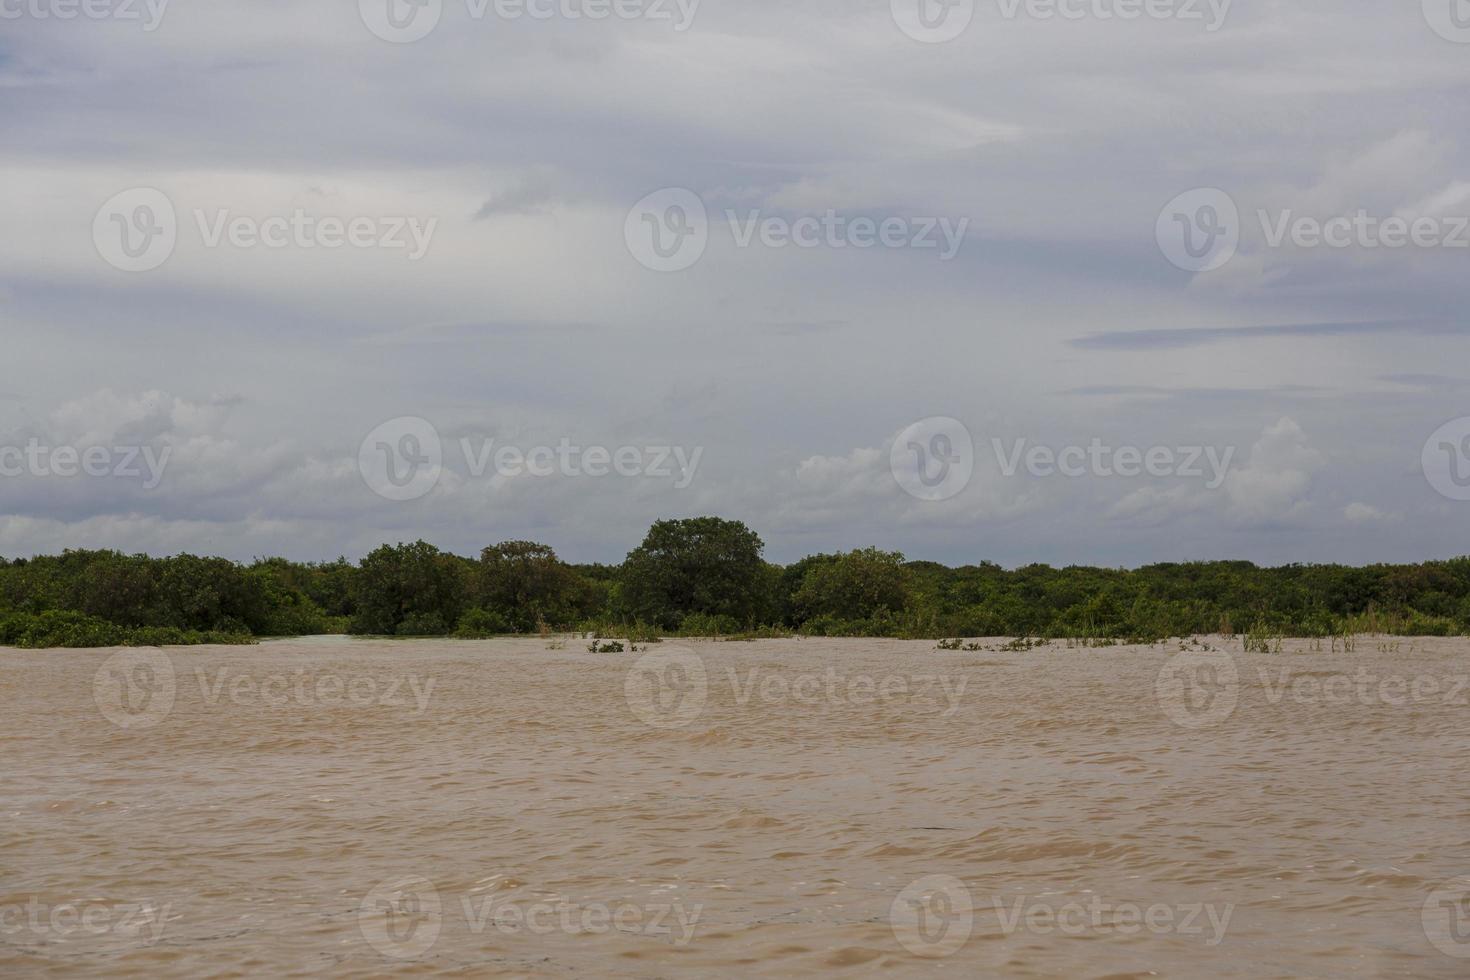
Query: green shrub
[[422, 624], [481, 624], [1418, 624], [1262, 639], [59, 628], [706, 624]]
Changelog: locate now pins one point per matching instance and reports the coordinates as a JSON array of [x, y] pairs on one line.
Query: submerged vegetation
[[62, 628], [708, 577]]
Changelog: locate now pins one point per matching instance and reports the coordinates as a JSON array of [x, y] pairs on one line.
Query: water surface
[[777, 808]]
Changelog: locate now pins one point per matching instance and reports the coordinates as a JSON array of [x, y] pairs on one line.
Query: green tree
[[209, 594], [857, 585], [115, 587], [526, 584], [701, 565], [409, 589]]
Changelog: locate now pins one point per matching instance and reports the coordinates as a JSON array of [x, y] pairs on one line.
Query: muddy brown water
[[775, 808]]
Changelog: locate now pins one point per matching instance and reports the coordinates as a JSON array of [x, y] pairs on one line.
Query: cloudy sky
[[249, 245]]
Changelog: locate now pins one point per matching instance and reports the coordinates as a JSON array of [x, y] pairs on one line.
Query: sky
[[1099, 282]]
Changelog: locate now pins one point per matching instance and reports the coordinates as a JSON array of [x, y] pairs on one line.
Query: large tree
[[855, 585], [526, 584], [410, 589], [703, 565]]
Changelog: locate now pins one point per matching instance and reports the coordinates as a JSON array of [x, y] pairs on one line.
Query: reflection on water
[[735, 809]]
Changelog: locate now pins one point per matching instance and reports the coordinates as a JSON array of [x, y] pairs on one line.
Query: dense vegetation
[[703, 576]]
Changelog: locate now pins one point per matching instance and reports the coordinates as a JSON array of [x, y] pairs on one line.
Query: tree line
[[701, 577]]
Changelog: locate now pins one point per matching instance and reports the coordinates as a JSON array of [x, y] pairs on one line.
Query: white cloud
[[1272, 487], [260, 370], [1360, 513]]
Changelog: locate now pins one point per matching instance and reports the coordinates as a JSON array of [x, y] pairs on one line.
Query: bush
[[58, 628], [422, 624], [704, 624], [855, 586], [1421, 625], [481, 624]]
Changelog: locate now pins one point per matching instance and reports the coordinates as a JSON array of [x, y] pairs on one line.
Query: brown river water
[[776, 808]]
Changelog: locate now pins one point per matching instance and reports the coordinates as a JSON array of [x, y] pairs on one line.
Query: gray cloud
[[528, 319], [1176, 338]]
